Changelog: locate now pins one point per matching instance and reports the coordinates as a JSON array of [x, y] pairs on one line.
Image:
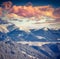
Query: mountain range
[[10, 34]]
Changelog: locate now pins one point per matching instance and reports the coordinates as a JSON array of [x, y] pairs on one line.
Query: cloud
[[56, 13], [7, 5], [29, 10], [0, 11]]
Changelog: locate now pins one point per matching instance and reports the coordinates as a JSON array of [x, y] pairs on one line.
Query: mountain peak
[[45, 28]]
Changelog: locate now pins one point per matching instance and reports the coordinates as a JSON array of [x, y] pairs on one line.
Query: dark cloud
[[7, 5], [57, 12]]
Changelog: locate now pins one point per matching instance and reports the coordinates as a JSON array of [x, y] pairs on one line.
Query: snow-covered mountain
[[10, 49], [11, 32], [41, 35], [15, 32]]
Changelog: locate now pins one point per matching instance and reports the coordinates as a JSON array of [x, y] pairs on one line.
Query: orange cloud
[[23, 10], [0, 11], [30, 11]]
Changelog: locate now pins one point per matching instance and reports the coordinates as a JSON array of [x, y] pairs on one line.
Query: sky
[[54, 3]]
